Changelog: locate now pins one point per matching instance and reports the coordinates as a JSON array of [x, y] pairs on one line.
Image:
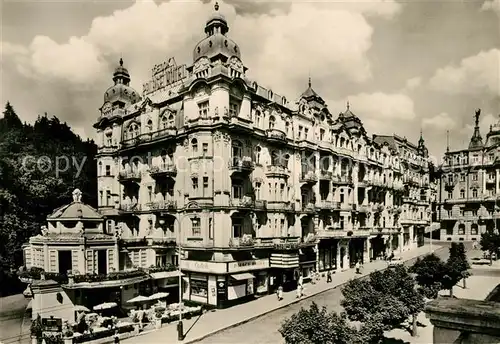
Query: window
[[274, 158], [341, 222], [474, 193], [195, 226], [171, 121], [237, 152], [272, 122], [108, 197], [474, 177], [450, 195], [474, 229], [322, 134], [306, 133], [99, 168], [108, 170], [233, 109], [237, 189], [100, 197], [258, 118], [299, 134], [108, 141], [474, 213], [194, 145], [461, 212], [133, 130], [205, 149], [237, 227], [341, 196], [194, 182], [287, 128], [164, 122], [205, 185], [461, 229], [462, 177], [257, 154], [203, 108], [150, 193], [149, 126], [257, 190], [450, 179], [210, 229], [462, 193], [282, 191]]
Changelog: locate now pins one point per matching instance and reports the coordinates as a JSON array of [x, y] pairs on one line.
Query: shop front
[[307, 261], [223, 284], [168, 282], [284, 270], [356, 251], [328, 249]]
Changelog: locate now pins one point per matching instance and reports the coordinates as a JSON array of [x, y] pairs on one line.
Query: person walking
[[357, 268], [328, 276], [299, 291], [280, 293]]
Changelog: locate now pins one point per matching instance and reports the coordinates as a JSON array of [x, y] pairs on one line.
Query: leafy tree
[[317, 326], [458, 253], [29, 193], [429, 271], [452, 274], [490, 242], [389, 296]]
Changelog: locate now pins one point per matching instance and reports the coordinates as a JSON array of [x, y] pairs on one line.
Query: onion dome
[[121, 92], [216, 44]]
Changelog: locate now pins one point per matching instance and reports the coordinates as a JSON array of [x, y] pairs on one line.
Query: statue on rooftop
[[77, 195]]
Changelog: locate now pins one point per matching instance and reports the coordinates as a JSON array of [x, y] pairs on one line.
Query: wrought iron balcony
[[130, 207], [276, 135], [162, 205], [129, 176], [277, 171], [308, 177], [241, 164], [163, 170], [245, 202], [328, 205]]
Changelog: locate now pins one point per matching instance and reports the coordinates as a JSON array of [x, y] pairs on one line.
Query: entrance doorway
[[65, 261], [102, 262]]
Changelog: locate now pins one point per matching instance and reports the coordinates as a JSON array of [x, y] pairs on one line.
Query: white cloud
[[491, 5], [476, 75], [442, 121], [413, 83]]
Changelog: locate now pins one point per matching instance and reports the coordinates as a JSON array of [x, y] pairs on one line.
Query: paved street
[[264, 330]]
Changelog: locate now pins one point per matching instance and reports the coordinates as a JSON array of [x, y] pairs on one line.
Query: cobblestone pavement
[[211, 323]]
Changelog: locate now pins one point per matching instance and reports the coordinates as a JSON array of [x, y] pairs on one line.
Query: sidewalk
[[219, 320]]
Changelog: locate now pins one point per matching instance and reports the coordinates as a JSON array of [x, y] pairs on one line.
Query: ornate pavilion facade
[[253, 188], [469, 187]]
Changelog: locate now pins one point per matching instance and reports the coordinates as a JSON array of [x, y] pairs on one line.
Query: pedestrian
[[280, 293], [328, 276], [357, 268], [299, 291], [301, 280]]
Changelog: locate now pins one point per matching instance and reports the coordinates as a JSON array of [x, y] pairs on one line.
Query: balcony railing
[[280, 205], [277, 171], [132, 176], [161, 170], [241, 164], [328, 205], [276, 135], [130, 207], [146, 137], [244, 241], [308, 177], [245, 202], [162, 205], [325, 175]]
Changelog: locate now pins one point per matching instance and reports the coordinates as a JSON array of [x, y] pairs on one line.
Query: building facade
[[469, 187], [254, 189]]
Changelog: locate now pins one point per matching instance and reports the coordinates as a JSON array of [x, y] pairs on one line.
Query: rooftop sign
[[165, 75]]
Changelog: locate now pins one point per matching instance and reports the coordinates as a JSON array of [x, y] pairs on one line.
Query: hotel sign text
[[246, 265], [164, 75]]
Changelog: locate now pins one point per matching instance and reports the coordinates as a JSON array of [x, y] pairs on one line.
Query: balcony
[[166, 205], [147, 137], [260, 204], [241, 164], [332, 232], [328, 205], [309, 208], [130, 207], [276, 135], [343, 180], [277, 171], [285, 206], [163, 170], [129, 176], [325, 175], [244, 241], [308, 177], [242, 203]]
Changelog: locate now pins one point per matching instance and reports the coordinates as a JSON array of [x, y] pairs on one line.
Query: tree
[[457, 251], [389, 296], [315, 326], [452, 273], [429, 271], [490, 242]]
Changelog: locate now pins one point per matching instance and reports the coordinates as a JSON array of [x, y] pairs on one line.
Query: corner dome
[[216, 43], [121, 92], [75, 211]]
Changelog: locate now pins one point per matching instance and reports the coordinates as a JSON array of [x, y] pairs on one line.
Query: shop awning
[[243, 276], [165, 274]]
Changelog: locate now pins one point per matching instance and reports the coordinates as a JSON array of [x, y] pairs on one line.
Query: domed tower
[[493, 137], [351, 121], [216, 46], [120, 95]]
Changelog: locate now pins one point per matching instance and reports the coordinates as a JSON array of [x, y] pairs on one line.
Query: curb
[[200, 338]]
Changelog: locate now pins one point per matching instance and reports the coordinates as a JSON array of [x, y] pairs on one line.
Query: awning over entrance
[[243, 276], [165, 274]]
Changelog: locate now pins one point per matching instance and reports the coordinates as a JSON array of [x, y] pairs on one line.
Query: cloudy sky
[[403, 65]]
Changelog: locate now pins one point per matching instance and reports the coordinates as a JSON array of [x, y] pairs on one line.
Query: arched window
[[272, 122], [194, 145], [257, 154], [461, 229], [274, 158], [171, 121], [462, 193], [474, 229], [258, 118], [133, 130], [164, 122], [342, 142], [149, 126], [99, 170], [474, 193], [237, 149], [285, 161], [287, 127]]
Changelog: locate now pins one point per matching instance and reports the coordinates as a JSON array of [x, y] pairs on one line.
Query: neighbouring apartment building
[[469, 187], [254, 189]]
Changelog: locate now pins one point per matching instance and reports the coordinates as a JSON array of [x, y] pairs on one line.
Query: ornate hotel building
[[254, 188], [469, 187]]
